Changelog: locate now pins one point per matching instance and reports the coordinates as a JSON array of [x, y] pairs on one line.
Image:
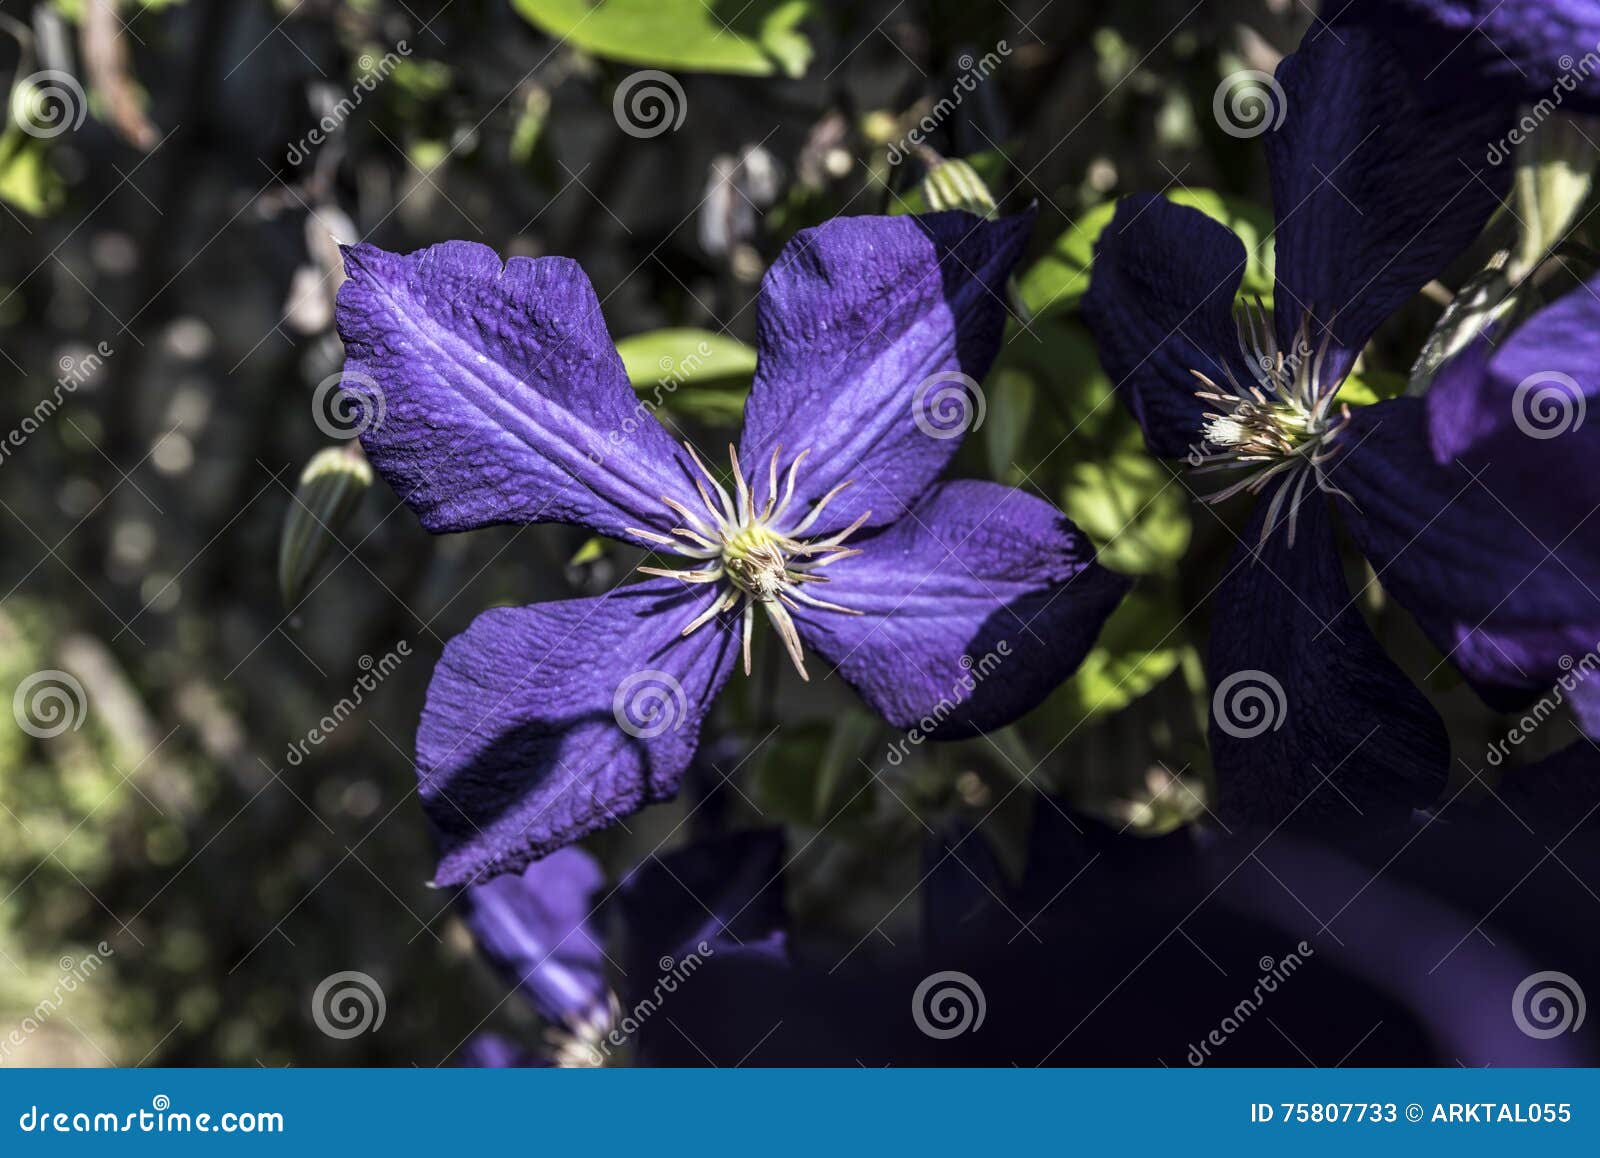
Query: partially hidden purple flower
[[1378, 183], [538, 929], [503, 400], [719, 898]]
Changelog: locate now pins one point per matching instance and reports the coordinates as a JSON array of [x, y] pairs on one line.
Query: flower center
[[1281, 424], [761, 551]]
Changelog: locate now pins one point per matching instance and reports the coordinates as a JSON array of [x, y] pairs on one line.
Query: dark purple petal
[[495, 394], [867, 325], [539, 930], [548, 722], [1551, 798], [972, 609], [1379, 180], [1514, 51], [718, 897], [1501, 572], [1160, 304], [1310, 719]]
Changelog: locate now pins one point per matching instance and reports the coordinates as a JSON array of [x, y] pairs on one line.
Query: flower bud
[[329, 491]]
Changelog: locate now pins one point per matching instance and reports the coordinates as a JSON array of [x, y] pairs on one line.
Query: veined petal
[[1160, 304], [1310, 719], [1379, 180], [1504, 579], [493, 394], [538, 928], [545, 723], [969, 611], [873, 336]]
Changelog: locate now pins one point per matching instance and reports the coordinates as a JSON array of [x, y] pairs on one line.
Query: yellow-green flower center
[[760, 550]]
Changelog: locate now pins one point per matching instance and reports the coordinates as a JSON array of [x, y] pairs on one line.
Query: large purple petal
[[972, 609], [1513, 51], [1379, 180], [867, 327], [1160, 304], [539, 930], [493, 394], [548, 722], [1502, 572], [1310, 720]]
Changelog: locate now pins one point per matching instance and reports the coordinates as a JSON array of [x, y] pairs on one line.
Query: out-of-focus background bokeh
[[183, 837]]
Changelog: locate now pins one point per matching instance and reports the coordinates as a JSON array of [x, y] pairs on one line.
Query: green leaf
[[757, 39], [698, 374], [593, 549], [1369, 386], [1128, 502], [1058, 281], [1133, 508], [26, 178], [703, 357], [1011, 410], [1141, 644]]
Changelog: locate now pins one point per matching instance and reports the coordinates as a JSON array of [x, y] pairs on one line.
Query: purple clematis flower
[[503, 400], [539, 930], [1378, 182], [717, 898]]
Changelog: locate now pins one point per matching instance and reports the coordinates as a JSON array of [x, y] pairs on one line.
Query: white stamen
[[763, 560], [1277, 425]]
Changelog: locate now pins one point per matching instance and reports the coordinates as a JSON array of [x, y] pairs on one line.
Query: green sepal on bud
[[954, 184], [331, 487]]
